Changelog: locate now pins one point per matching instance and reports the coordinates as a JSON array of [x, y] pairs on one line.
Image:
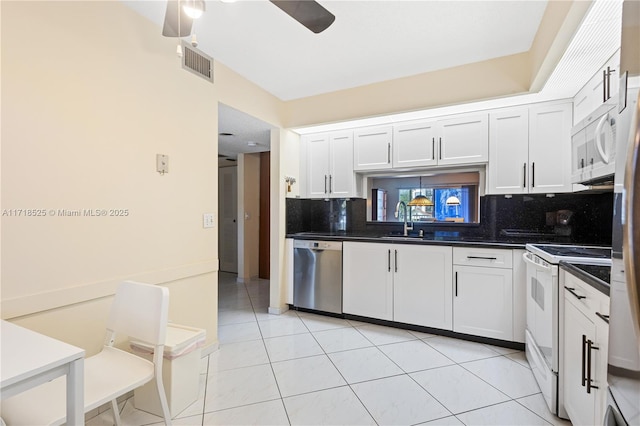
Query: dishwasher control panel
[[317, 245]]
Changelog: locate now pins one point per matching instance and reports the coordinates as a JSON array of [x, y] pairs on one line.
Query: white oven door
[[542, 305]]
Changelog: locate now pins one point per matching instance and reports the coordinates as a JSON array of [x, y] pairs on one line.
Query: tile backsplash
[[589, 224]]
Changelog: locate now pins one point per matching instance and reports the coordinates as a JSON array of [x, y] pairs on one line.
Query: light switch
[[207, 220], [162, 163]]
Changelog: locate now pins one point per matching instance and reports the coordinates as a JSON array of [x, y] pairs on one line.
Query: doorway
[[244, 143]]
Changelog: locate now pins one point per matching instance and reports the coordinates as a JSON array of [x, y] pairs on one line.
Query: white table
[[28, 359]]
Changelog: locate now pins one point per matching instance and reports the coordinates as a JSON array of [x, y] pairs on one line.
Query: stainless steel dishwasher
[[317, 280]]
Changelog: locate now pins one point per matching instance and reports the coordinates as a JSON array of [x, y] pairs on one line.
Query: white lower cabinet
[[483, 292], [482, 302], [367, 280], [404, 283], [464, 289], [422, 285], [586, 337]]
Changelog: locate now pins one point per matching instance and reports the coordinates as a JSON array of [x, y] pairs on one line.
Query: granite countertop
[[434, 238], [597, 276]]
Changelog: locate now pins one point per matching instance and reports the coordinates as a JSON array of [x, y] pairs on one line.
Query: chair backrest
[[140, 311]]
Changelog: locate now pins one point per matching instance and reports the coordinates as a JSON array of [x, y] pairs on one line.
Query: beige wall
[[90, 94]]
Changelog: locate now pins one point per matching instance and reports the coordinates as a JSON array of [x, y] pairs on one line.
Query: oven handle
[[531, 262]]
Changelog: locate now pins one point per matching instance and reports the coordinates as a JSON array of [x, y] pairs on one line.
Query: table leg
[[75, 393]]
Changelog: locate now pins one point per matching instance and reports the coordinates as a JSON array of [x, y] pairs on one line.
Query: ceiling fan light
[[193, 8]]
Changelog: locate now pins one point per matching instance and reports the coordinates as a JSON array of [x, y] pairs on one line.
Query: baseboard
[[278, 310]]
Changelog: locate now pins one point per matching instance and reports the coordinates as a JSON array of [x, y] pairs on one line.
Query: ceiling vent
[[197, 62]]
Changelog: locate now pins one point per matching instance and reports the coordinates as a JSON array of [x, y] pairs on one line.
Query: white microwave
[[593, 146]]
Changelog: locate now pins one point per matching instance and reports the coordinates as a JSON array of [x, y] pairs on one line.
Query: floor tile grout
[[253, 295]]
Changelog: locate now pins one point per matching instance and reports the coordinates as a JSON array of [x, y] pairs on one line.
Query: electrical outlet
[[162, 163], [207, 220]]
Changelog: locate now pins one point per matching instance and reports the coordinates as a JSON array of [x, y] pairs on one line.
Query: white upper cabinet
[[508, 151], [602, 87], [330, 165], [463, 140], [550, 148], [414, 144], [342, 183], [530, 150], [317, 165], [372, 148]]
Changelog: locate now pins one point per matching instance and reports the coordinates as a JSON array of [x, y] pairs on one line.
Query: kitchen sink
[[402, 237]]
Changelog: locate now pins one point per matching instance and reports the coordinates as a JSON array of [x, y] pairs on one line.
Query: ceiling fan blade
[[308, 12], [170, 28]]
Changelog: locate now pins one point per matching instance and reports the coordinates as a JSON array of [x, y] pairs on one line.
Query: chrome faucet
[[406, 227]]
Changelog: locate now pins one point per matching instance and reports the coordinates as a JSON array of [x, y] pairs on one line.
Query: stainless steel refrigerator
[[623, 370]]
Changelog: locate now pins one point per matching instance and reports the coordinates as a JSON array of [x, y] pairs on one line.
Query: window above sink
[[450, 197]]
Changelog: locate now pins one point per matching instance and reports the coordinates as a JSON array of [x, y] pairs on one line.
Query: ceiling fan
[[178, 19]]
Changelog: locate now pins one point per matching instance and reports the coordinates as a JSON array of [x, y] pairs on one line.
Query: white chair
[[139, 311]]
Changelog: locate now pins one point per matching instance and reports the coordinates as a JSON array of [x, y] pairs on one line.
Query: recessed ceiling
[[369, 42]]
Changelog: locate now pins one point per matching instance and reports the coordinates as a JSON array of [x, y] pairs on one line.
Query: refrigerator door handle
[[631, 235]]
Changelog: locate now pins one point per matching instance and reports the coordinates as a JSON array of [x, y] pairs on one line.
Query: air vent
[[197, 62]]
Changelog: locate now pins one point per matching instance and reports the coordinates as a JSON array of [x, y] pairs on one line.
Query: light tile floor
[[305, 369]]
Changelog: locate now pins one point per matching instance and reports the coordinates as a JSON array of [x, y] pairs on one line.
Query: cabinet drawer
[[491, 258], [586, 298]]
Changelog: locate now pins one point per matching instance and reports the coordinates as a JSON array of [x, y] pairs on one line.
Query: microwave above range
[[593, 146]]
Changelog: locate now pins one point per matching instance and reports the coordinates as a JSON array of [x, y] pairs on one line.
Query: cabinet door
[[317, 165], [414, 144], [341, 176], [422, 285], [600, 367], [483, 302], [550, 148], [579, 404], [372, 148], [464, 140], [508, 151], [367, 280]]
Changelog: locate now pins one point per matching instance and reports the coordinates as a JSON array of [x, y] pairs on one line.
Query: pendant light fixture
[[452, 201], [420, 200]]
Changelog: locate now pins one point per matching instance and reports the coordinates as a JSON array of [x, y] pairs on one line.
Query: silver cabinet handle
[[433, 148], [524, 175], [440, 148], [389, 260], [325, 184], [389, 153], [604, 85], [330, 184], [396, 260]]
